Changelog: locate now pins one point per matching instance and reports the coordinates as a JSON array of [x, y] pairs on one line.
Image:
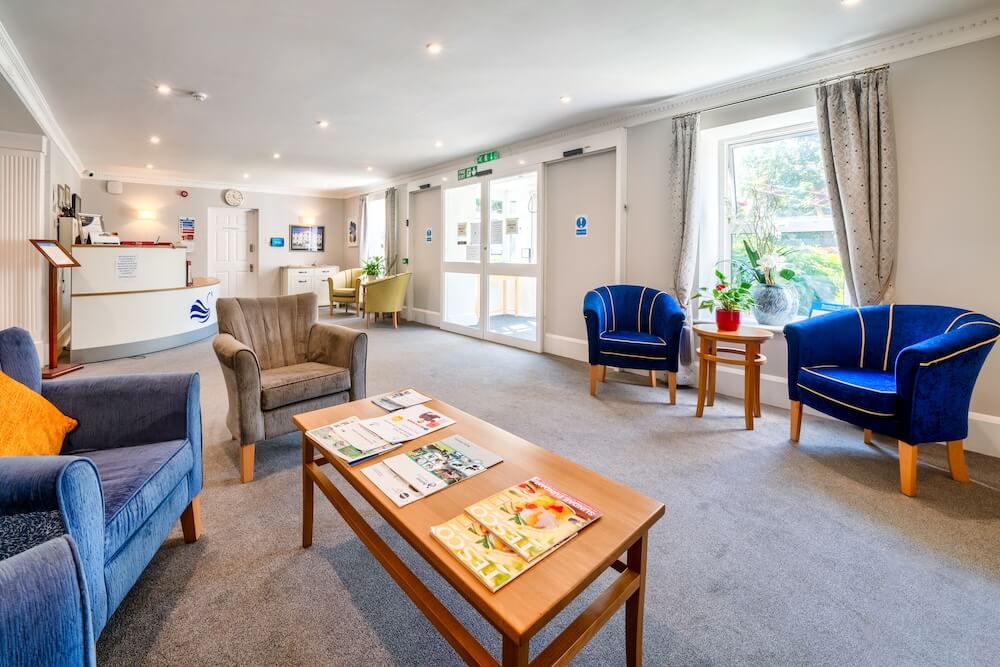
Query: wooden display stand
[[58, 258]]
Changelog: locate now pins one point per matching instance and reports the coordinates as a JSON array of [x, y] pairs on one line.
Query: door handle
[[251, 268], [251, 248]]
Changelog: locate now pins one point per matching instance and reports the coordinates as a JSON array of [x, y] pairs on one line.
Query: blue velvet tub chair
[[904, 371], [629, 326], [45, 613], [125, 475]]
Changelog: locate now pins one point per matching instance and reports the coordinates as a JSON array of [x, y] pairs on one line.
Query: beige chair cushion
[[300, 382], [340, 291]]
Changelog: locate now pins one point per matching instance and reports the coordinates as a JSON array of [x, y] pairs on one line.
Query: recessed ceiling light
[[164, 89], [277, 156], [149, 165], [848, 3], [565, 99], [154, 139], [246, 175], [438, 144], [323, 124], [434, 48], [520, 161], [444, 178], [371, 168]]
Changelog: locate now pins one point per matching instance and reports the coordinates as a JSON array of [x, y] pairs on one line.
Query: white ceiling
[[271, 73]]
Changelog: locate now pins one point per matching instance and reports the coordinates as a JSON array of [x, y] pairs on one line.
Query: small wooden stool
[[749, 357]]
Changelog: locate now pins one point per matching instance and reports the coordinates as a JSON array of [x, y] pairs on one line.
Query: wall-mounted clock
[[233, 197]]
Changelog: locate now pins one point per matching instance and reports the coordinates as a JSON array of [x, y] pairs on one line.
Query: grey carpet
[[768, 554]]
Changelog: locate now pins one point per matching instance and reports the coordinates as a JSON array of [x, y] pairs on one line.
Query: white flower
[[772, 262]]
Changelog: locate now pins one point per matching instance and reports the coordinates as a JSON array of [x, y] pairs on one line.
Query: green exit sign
[[468, 172], [487, 157]]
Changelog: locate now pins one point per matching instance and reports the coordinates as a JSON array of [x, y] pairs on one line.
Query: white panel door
[[233, 251]]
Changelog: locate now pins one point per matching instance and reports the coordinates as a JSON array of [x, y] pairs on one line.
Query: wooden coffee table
[[750, 358], [523, 607]]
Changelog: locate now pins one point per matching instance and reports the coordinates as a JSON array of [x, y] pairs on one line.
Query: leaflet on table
[[533, 517], [400, 399], [391, 484], [356, 434], [331, 438], [440, 464], [492, 561], [407, 424]]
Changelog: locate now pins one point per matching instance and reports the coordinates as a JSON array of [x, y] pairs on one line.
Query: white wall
[[276, 213]]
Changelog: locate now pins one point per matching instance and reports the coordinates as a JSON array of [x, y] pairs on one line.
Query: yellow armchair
[[345, 288], [386, 295]]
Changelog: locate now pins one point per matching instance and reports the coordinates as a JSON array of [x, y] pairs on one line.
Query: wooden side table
[[709, 354]]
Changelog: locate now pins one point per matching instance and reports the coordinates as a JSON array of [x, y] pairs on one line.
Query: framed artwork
[[311, 239], [352, 234]]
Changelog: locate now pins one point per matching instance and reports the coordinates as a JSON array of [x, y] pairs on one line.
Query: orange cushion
[[30, 425]]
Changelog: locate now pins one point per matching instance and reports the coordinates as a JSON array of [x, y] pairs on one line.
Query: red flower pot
[[727, 320]]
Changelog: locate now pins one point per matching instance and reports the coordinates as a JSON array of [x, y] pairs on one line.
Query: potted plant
[[766, 263], [372, 267], [727, 301]]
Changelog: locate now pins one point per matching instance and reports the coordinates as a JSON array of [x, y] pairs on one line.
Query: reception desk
[[130, 300]]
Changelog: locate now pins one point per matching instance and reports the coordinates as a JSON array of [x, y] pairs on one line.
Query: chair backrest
[[387, 295], [890, 329], [628, 307], [19, 359], [346, 279], [276, 328]]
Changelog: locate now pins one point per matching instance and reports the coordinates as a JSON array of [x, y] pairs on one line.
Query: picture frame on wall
[[306, 238], [352, 233]]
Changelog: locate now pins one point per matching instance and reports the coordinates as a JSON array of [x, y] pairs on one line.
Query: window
[[374, 236], [775, 196]]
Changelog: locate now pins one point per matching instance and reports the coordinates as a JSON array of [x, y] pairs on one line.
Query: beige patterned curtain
[[682, 165], [391, 242], [362, 227], [859, 155]]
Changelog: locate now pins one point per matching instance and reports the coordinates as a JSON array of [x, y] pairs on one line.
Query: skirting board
[[564, 346], [421, 316], [984, 430]]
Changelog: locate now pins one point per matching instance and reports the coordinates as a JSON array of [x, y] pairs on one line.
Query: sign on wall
[[187, 229], [126, 266], [468, 172], [488, 156], [581, 225], [428, 235]]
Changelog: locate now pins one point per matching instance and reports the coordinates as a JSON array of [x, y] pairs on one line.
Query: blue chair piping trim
[[649, 323], [962, 351], [839, 381], [965, 314], [846, 405], [638, 311], [604, 306], [611, 299], [861, 318], [634, 342], [888, 339], [631, 356]]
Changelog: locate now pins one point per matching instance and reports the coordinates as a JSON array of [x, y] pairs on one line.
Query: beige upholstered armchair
[[344, 288], [279, 362]]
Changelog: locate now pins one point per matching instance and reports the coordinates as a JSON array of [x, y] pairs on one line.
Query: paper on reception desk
[[391, 484], [407, 424], [398, 400]]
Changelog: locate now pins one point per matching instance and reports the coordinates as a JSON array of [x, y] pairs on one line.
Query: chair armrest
[[667, 322], [595, 317], [241, 371], [46, 617], [935, 379], [834, 338], [339, 346], [128, 410], [71, 486]]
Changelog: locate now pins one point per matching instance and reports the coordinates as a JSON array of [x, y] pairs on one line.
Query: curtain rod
[[813, 84]]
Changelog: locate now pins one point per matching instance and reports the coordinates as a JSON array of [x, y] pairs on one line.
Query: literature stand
[[58, 258]]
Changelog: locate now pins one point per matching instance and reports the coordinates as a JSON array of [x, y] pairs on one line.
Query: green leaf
[[787, 274]]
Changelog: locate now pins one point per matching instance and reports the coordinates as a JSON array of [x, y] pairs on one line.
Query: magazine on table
[[533, 517], [398, 400], [407, 424], [332, 438], [391, 484], [493, 562], [440, 464]]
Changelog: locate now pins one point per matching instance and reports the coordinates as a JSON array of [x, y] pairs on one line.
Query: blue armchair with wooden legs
[[629, 326], [905, 371]]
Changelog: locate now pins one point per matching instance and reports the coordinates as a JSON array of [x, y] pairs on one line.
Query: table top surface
[[525, 605], [752, 334]]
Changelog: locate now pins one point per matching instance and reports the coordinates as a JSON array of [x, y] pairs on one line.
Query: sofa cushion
[[864, 390], [31, 426], [134, 481], [632, 344], [300, 382], [343, 291]]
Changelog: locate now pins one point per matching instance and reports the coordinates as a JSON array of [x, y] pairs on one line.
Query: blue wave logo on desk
[[200, 312]]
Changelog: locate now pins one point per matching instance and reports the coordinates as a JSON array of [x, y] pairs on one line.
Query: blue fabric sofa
[[905, 371], [45, 613], [629, 326], [125, 475]]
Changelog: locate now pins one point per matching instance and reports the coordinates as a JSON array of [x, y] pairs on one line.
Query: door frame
[[253, 218]]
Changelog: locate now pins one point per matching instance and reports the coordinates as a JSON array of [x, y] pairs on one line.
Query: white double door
[[490, 270], [232, 251]]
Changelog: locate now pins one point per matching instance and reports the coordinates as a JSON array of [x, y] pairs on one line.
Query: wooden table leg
[[634, 606], [748, 399], [756, 383], [712, 368], [307, 494], [514, 655], [702, 379]]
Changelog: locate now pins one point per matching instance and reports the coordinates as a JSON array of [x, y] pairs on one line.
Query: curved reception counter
[[130, 300]]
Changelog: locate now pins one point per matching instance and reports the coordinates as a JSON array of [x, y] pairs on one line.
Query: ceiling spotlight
[[199, 97], [154, 139], [848, 3], [277, 156], [520, 161], [444, 178], [438, 144], [246, 175], [164, 89], [323, 124], [565, 99], [149, 165], [434, 48], [371, 168]]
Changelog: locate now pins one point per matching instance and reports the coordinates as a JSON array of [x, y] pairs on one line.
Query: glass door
[[491, 285]]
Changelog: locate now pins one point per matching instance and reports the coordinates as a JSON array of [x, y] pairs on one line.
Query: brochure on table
[[407, 424], [400, 399], [342, 439]]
